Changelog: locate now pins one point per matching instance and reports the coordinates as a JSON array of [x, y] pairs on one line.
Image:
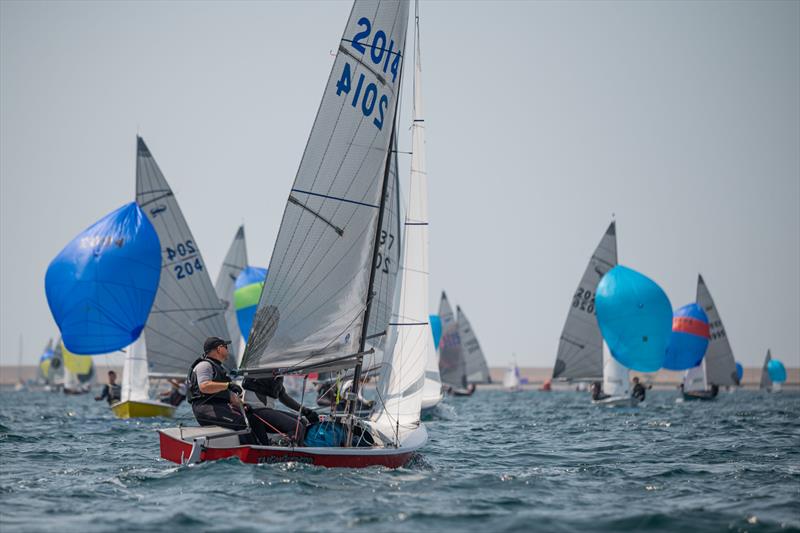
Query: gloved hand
[[234, 388], [311, 415]]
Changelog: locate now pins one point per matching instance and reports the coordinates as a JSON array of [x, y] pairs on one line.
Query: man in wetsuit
[[215, 398], [638, 390], [282, 423], [176, 394], [111, 392], [597, 392]]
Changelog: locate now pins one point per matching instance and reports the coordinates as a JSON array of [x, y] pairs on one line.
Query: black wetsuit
[[110, 393], [278, 422], [639, 392]]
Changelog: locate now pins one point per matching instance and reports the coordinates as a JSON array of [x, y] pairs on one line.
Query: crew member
[[285, 424], [111, 392], [597, 392], [638, 390], [176, 394]]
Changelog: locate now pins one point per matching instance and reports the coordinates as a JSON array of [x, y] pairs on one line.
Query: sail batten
[[186, 309], [313, 308], [580, 347]]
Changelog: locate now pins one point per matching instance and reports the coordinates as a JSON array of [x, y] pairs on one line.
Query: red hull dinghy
[[336, 300], [193, 445]]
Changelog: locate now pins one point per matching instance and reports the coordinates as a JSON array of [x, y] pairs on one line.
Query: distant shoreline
[[664, 379]]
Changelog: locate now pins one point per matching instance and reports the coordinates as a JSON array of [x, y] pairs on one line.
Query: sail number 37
[[366, 97]]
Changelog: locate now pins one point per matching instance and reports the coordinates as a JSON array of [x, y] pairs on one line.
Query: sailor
[[287, 427], [597, 392], [176, 394], [638, 390], [111, 392]]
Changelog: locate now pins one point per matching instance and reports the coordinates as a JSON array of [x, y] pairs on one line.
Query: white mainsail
[[186, 310], [135, 383], [615, 376], [718, 362], [475, 362], [695, 379], [312, 311], [402, 384], [580, 349], [235, 261], [511, 378]]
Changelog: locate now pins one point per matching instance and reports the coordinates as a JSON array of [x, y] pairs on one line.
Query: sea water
[[497, 461]]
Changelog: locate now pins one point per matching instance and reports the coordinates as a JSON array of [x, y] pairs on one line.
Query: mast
[[376, 245]]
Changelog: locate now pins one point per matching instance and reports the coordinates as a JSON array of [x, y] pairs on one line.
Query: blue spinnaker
[[689, 339], [101, 286], [776, 370], [635, 318], [436, 329], [739, 372], [247, 293]]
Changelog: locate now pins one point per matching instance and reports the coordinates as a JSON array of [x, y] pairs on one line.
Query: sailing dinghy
[[718, 368], [186, 309], [511, 380], [582, 353], [315, 313], [452, 363]]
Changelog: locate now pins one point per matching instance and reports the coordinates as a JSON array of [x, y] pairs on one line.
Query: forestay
[[186, 310], [235, 261], [580, 349], [311, 313], [452, 367], [720, 366], [475, 362]]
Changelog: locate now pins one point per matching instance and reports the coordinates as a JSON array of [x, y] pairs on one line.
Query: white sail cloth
[[511, 377], [615, 376], [580, 348], [186, 309], [135, 382], [402, 383], [474, 361], [235, 261], [695, 379]]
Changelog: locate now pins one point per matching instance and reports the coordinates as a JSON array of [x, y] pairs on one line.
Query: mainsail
[[766, 381], [186, 310], [580, 349], [476, 368], [312, 313], [452, 366], [235, 261], [720, 366]]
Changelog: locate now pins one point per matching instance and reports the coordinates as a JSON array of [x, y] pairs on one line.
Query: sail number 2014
[[366, 96]]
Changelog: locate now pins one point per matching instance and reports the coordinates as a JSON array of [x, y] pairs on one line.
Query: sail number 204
[[366, 96], [187, 261]]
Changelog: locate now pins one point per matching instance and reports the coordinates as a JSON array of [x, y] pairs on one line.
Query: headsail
[[186, 310], [312, 311], [452, 366], [476, 368], [235, 261], [387, 268], [766, 380], [403, 382], [580, 350], [719, 362], [135, 383]]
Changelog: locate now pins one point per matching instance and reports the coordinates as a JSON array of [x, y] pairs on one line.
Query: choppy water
[[495, 462]]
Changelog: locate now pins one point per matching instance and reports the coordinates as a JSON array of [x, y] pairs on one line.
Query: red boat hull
[[178, 451]]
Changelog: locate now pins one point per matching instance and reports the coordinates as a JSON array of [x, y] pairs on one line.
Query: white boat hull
[[617, 401]]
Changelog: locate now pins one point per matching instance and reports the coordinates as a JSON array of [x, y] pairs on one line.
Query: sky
[[543, 119]]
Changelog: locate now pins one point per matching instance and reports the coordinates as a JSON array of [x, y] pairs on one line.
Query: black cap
[[213, 343]]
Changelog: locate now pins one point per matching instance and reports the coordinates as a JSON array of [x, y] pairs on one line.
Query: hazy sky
[[542, 120]]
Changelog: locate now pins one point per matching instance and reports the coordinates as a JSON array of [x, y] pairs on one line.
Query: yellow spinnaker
[[77, 364]]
